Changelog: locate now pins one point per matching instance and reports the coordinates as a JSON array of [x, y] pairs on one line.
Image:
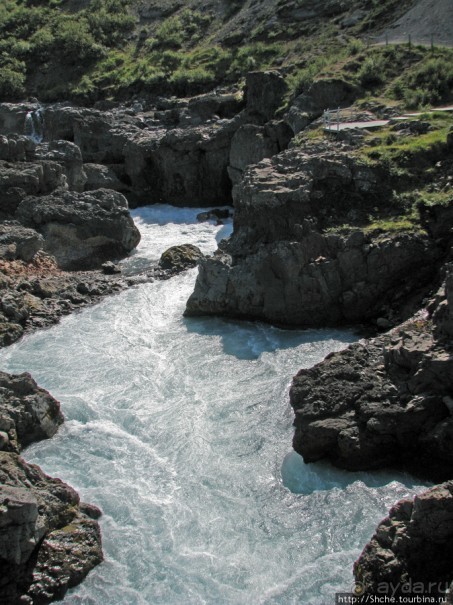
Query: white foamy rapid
[[180, 430]]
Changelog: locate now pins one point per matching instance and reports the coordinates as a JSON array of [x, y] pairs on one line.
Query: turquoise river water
[[180, 430]]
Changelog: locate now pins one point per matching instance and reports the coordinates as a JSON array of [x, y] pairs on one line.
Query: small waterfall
[[34, 125]]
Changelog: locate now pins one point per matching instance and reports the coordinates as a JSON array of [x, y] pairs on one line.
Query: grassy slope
[[90, 49], [419, 166]]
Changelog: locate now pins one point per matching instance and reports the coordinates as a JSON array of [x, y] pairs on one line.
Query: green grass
[[103, 50], [400, 150]]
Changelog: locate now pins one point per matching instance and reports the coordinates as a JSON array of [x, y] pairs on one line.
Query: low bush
[[12, 84]]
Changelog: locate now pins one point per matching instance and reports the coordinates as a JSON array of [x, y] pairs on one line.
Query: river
[[180, 430]]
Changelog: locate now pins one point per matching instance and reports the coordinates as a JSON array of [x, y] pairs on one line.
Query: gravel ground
[[425, 19]]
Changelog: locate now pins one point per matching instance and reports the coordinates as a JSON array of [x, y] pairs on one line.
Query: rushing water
[[180, 429]]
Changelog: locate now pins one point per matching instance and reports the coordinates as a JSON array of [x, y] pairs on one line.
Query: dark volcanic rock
[[69, 156], [383, 401], [252, 143], [82, 230], [329, 93], [179, 258], [285, 263], [100, 176], [182, 166], [48, 539], [264, 94], [19, 179], [12, 117], [28, 413], [16, 148], [47, 544], [414, 544], [19, 242]]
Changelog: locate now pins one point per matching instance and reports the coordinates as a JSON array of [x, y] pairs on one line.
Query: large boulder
[[101, 176], [19, 179], [47, 543], [49, 540], [82, 230], [215, 105], [179, 258]]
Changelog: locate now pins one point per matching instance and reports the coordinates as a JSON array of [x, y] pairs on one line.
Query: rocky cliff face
[[384, 401], [175, 151], [286, 263], [49, 540], [81, 230], [412, 549]]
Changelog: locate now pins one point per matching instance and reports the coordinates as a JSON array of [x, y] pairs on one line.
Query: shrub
[[42, 42], [371, 73], [189, 81], [12, 83], [355, 46], [108, 26], [170, 33], [75, 41], [432, 81]]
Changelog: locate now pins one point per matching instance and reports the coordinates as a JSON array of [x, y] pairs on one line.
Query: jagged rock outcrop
[[251, 143], [82, 230], [102, 176], [19, 242], [384, 401], [16, 148], [49, 540], [19, 179], [28, 413], [69, 156], [47, 543], [12, 117], [264, 94], [182, 158], [328, 93], [412, 549], [286, 262], [182, 166]]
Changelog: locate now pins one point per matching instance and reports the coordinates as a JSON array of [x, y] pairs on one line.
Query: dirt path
[[427, 20]]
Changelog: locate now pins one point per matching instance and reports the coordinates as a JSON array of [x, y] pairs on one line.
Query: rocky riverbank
[[385, 401], [50, 540], [302, 253], [290, 260]]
